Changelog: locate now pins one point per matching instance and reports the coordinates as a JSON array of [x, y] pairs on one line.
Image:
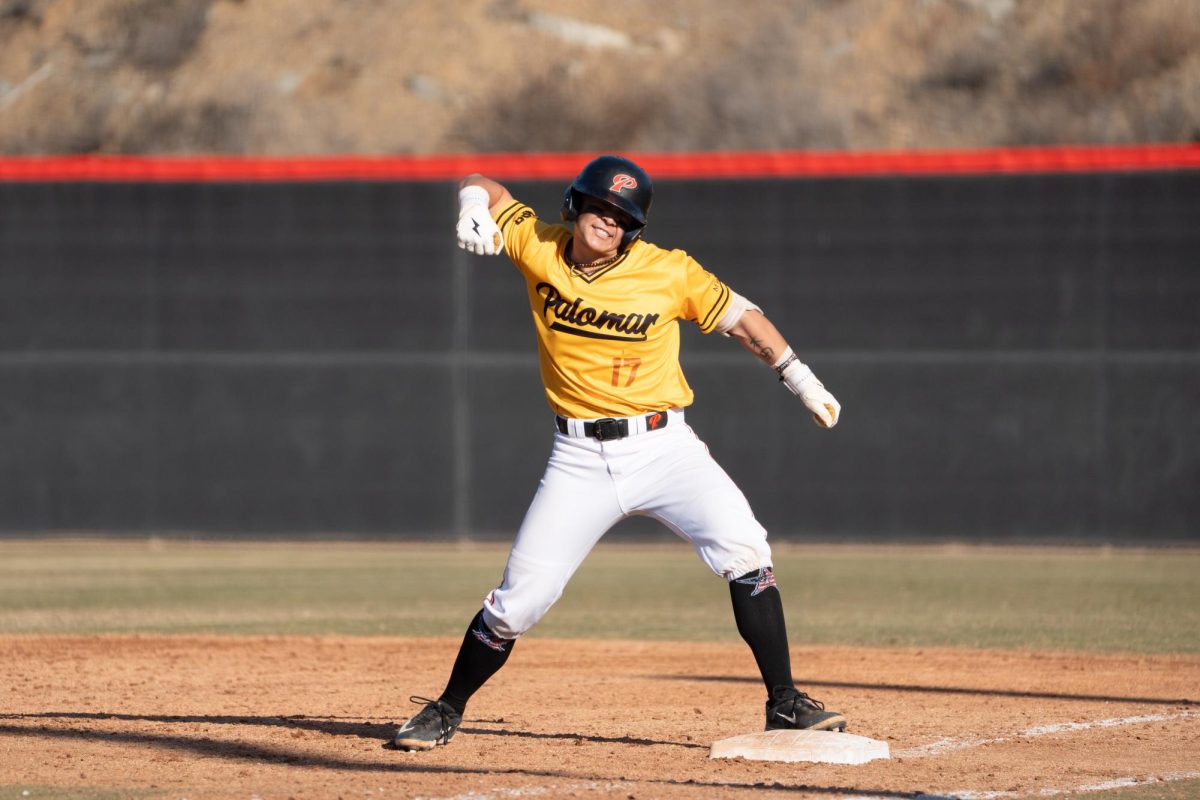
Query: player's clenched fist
[[801, 382], [824, 406], [477, 231]]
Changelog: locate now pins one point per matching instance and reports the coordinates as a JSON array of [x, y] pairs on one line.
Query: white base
[[826, 747]]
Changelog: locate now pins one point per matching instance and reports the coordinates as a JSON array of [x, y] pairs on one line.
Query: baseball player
[[606, 306]]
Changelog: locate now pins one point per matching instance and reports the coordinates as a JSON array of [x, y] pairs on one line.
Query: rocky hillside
[[418, 76]]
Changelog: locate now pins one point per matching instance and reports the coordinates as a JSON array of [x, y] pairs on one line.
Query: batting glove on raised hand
[[801, 382], [477, 231]]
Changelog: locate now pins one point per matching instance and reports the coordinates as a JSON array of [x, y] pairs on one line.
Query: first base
[[825, 747]]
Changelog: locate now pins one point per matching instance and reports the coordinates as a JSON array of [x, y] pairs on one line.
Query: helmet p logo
[[623, 181]]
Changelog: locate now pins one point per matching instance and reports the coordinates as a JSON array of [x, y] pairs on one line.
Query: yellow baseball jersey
[[608, 342]]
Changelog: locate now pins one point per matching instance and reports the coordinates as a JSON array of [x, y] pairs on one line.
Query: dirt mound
[[382, 76]]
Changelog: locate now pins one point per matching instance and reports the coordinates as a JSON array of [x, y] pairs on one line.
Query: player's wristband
[[793, 372], [470, 196], [786, 360]]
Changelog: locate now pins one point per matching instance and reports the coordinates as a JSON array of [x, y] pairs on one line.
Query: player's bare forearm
[[759, 336], [498, 195]]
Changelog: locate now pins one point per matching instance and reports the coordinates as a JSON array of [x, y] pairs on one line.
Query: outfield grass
[[1089, 599], [1179, 790], [31, 792]]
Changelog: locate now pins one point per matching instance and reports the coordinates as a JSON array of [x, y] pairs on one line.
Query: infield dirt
[[280, 717]]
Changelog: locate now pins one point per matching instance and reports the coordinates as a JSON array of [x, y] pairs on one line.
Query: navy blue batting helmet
[[616, 181]]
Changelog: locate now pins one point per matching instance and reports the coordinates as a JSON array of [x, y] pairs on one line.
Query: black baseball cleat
[[794, 710], [433, 725]]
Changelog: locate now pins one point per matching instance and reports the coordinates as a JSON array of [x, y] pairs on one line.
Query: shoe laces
[[798, 698], [443, 717]]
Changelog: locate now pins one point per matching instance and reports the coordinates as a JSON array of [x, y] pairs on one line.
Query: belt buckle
[[605, 429]]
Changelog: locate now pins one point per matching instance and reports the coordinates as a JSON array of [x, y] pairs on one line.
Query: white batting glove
[[477, 231], [801, 382]]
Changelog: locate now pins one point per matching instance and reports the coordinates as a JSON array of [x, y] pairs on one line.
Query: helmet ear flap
[[570, 205]]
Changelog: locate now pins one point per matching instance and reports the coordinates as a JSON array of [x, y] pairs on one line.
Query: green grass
[[29, 792], [1178, 790], [1087, 599]]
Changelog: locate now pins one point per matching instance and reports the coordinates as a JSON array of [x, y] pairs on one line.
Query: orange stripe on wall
[[558, 166]]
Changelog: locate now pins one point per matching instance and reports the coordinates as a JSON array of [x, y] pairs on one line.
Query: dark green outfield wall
[[1018, 357]]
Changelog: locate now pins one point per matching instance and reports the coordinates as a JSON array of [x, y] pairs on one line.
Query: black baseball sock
[[480, 656], [758, 610]]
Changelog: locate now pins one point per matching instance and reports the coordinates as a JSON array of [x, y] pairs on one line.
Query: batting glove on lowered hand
[[801, 382], [477, 231]]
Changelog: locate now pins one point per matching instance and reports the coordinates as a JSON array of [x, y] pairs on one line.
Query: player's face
[[598, 230]]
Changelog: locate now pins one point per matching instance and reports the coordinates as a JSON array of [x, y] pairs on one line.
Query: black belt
[[609, 428]]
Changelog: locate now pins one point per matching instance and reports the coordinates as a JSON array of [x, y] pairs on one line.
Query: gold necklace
[[590, 265]]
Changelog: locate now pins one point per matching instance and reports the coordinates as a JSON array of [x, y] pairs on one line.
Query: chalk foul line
[[950, 745], [537, 791], [1087, 788]]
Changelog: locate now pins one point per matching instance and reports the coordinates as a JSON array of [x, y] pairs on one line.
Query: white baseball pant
[[590, 485]]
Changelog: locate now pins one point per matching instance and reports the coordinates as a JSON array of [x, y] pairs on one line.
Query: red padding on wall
[[558, 166]]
